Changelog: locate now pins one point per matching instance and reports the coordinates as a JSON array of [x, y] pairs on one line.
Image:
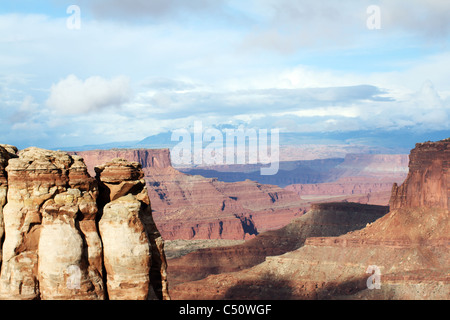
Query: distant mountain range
[[387, 142]]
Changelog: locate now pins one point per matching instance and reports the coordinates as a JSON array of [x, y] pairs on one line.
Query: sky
[[82, 72]]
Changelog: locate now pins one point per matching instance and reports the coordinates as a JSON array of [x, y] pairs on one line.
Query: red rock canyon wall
[[409, 246], [194, 207], [428, 181]]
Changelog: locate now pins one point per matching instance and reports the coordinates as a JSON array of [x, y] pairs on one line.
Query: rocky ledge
[[67, 235]]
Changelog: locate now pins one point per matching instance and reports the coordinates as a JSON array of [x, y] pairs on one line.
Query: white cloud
[[423, 18], [74, 96], [185, 63], [25, 111], [132, 10], [287, 25]]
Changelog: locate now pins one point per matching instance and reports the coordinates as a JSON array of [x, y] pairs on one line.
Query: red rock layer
[[148, 158], [347, 186], [193, 207], [428, 181], [324, 219], [335, 268], [364, 178], [409, 247]]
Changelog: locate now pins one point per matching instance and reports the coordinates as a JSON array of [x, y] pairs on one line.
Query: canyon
[[187, 207], [66, 235], [376, 167], [90, 225], [326, 219], [362, 178], [407, 248], [227, 205]]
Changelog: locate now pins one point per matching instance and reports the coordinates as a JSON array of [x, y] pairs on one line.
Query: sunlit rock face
[[428, 181], [51, 245]]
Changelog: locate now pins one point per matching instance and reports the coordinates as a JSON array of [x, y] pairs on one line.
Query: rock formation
[[6, 152], [403, 255], [148, 158], [127, 249], [290, 172], [369, 168], [428, 181], [128, 213], [194, 207], [51, 245], [363, 178], [323, 220], [355, 189]]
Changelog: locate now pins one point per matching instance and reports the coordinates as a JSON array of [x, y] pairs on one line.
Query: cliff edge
[[428, 182]]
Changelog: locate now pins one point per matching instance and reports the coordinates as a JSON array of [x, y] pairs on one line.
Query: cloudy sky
[[130, 69]]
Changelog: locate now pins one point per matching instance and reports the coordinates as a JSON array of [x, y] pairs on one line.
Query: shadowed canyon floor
[[331, 219]]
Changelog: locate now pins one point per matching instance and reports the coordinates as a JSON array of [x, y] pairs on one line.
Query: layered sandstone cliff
[[127, 222], [403, 255], [363, 178], [193, 207], [148, 158], [361, 169], [428, 181], [52, 247], [323, 220]]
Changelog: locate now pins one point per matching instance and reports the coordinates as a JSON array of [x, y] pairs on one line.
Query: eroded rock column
[[126, 250], [44, 244], [134, 256], [6, 152], [51, 247], [63, 263]]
